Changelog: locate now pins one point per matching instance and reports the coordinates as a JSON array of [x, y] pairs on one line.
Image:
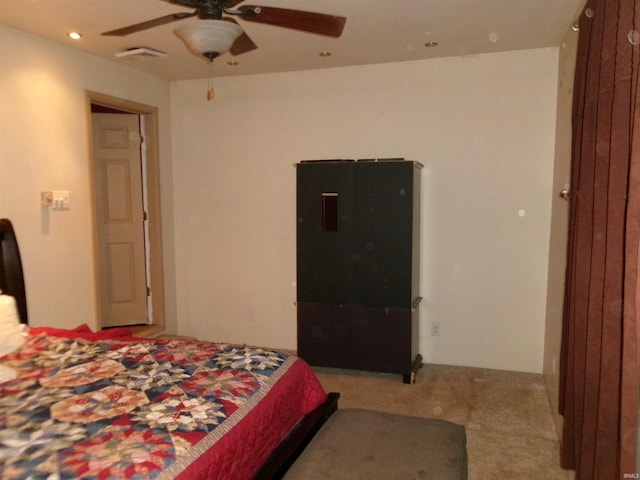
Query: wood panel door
[[120, 219]]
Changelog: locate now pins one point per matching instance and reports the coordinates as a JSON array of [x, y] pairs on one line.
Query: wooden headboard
[[11, 276]]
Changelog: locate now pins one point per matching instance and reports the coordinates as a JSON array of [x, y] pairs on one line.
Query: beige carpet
[[508, 420]]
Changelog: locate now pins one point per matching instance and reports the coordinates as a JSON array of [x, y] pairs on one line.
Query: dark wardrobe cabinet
[[358, 264]]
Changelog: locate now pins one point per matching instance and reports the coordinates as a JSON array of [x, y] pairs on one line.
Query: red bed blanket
[[106, 405]]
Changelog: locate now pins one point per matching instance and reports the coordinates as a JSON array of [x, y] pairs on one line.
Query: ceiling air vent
[[141, 53]]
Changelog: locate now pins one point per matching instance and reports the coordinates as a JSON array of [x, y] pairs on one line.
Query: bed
[[103, 405]]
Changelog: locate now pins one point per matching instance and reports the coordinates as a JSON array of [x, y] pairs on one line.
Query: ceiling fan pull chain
[[210, 92]]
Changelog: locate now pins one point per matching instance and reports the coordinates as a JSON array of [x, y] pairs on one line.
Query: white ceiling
[[377, 31]]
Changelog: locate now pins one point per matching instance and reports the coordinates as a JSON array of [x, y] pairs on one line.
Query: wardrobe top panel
[[361, 160]]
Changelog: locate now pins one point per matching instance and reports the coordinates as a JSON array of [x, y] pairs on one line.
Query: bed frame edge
[[295, 442]]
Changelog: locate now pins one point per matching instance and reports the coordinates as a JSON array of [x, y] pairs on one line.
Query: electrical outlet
[[252, 316], [435, 329]]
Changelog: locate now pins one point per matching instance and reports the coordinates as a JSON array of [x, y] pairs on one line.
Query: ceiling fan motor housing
[[207, 9], [209, 12]]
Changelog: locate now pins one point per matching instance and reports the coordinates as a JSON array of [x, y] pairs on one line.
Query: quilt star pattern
[[121, 409]]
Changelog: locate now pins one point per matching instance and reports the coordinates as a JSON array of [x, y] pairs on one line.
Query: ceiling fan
[[218, 33]]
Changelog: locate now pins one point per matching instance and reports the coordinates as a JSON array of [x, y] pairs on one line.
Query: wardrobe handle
[[416, 302]]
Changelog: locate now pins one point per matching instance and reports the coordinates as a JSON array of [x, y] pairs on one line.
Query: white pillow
[[12, 332]]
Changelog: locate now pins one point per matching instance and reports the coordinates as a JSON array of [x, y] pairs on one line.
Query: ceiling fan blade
[[243, 43], [312, 22], [156, 22]]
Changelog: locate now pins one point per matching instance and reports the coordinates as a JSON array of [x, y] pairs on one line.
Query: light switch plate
[[61, 200]]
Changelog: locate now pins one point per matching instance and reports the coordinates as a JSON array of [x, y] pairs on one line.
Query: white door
[[120, 218]]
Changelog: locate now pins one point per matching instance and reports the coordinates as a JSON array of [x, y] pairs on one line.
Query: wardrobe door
[[381, 339], [325, 335], [324, 232], [383, 234]]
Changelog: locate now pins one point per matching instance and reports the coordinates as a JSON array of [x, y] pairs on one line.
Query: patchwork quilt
[[138, 408]]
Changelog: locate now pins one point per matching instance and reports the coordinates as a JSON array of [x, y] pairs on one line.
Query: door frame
[[154, 212]]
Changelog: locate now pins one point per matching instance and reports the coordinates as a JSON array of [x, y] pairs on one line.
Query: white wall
[[484, 128], [44, 132]]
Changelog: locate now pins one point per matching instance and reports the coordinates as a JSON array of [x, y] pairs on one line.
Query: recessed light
[[431, 44], [74, 35], [233, 63], [325, 54]]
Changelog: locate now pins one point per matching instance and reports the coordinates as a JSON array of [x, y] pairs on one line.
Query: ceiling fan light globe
[[205, 36]]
